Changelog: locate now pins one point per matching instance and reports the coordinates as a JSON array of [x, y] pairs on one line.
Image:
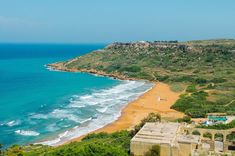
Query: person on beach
[[159, 99]]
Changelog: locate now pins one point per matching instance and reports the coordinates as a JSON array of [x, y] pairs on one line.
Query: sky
[[105, 21]]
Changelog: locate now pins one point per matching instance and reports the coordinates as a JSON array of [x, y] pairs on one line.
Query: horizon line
[[114, 41]]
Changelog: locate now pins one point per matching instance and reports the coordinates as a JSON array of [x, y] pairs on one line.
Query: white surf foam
[[27, 133], [101, 108], [51, 68], [13, 123], [86, 120], [64, 114], [39, 116]]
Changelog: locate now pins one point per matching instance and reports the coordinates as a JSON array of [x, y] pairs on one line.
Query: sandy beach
[[159, 99]]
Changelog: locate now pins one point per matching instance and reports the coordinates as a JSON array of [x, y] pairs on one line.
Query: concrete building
[[171, 137], [227, 145]]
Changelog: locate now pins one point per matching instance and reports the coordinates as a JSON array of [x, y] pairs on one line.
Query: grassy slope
[[208, 64]]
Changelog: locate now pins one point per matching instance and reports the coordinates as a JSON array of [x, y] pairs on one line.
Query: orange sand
[[149, 102]]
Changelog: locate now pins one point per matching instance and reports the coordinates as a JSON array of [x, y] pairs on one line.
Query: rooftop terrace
[[157, 133]]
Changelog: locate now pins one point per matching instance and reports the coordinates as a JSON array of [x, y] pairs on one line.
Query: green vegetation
[[152, 117], [207, 135], [195, 104], [204, 66], [101, 144], [219, 126], [186, 119], [177, 87], [115, 144], [219, 137], [154, 151], [1, 152], [191, 89], [195, 132], [231, 137]]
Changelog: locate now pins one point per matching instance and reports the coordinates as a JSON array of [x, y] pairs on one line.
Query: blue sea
[[39, 105]]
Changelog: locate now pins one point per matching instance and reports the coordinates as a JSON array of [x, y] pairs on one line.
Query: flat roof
[[157, 133], [188, 138], [163, 133]]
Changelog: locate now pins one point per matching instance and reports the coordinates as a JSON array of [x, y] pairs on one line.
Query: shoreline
[[112, 114], [60, 66], [138, 109], [158, 99]]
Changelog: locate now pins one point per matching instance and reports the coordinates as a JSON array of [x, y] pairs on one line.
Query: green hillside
[[207, 65], [102, 144]]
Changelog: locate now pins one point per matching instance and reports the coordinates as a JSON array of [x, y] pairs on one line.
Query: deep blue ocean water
[[51, 107]]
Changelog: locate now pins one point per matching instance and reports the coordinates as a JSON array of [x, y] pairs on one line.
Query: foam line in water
[[95, 110], [11, 123], [27, 133]]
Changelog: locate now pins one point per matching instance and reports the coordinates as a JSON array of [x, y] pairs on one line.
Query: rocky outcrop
[[146, 44]]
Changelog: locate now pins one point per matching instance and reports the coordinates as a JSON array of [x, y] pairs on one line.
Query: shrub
[[194, 105], [218, 80], [144, 75], [131, 69], [101, 144], [195, 113], [200, 81], [161, 77], [220, 126], [154, 151], [112, 68], [231, 137], [196, 71], [186, 119], [211, 86], [100, 67], [176, 87], [207, 135], [196, 132], [219, 137], [14, 150], [184, 78], [191, 88]]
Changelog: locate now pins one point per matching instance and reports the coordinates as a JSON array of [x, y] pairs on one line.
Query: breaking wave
[[93, 111], [11, 123], [27, 133]]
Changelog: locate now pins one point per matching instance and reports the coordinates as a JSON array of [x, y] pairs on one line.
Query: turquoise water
[[51, 107], [217, 118]]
